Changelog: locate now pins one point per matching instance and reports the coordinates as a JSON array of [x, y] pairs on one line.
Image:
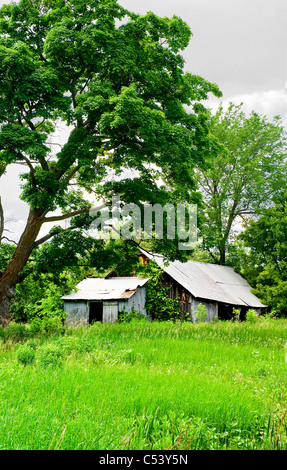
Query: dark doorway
[[243, 311], [96, 312], [225, 312]]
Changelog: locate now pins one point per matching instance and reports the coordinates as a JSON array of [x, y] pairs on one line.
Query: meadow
[[143, 385]]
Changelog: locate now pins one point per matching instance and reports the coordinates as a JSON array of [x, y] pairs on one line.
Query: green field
[[146, 385]]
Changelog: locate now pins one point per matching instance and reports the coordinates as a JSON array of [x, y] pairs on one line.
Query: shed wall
[[137, 301], [78, 313], [211, 307], [110, 311]]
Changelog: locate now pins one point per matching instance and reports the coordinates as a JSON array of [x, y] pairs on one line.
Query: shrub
[[16, 331], [201, 312], [251, 316], [50, 355], [52, 325], [235, 313], [127, 317], [31, 344], [35, 326], [25, 355], [158, 302], [47, 325]]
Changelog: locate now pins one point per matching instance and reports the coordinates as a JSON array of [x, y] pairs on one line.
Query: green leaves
[[245, 170], [265, 260], [114, 83]]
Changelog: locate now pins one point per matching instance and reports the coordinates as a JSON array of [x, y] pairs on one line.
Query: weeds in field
[[142, 385]]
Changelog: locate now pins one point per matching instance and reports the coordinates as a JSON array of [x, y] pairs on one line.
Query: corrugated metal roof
[[113, 288], [209, 281]]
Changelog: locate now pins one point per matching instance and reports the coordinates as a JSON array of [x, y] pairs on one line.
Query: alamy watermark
[[153, 221]]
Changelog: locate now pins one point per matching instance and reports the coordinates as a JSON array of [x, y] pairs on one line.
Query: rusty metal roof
[[209, 281], [114, 288]]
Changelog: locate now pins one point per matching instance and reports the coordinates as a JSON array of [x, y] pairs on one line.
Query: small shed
[[217, 287], [99, 299]]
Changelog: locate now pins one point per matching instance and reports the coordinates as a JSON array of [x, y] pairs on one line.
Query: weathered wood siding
[[211, 308], [137, 301], [77, 313], [187, 303], [110, 311], [179, 292]]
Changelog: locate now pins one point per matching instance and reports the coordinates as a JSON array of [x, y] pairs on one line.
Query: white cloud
[[269, 103]]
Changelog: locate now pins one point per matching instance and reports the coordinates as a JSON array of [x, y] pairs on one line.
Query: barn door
[[96, 312], [110, 311]]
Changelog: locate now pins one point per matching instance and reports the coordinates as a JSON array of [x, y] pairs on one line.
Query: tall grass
[[147, 386]]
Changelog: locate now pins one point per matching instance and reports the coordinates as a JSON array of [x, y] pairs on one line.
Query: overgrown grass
[[146, 385]]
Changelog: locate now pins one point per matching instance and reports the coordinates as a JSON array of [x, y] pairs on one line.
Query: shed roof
[[209, 281], [114, 288]]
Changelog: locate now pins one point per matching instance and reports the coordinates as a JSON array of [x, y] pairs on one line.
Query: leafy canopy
[[265, 262], [244, 172], [114, 78]]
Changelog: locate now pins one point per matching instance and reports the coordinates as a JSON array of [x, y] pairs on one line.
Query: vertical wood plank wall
[[110, 311]]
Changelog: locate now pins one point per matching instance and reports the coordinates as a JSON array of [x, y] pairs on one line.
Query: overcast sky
[[241, 45]]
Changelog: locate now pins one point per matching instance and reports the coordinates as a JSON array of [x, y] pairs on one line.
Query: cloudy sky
[[241, 45]]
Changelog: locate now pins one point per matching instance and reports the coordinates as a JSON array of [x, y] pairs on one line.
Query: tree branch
[[9, 240], [50, 235], [86, 210]]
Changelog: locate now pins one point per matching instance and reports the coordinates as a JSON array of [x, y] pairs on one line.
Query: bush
[[201, 312], [25, 355], [31, 344], [251, 316], [35, 326], [48, 325], [158, 303], [50, 355], [52, 325], [16, 331], [127, 317]]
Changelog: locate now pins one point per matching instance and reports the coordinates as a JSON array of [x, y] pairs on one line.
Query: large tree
[[116, 80], [245, 170]]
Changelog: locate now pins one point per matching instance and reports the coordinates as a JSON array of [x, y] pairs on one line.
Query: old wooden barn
[[99, 299], [217, 287]]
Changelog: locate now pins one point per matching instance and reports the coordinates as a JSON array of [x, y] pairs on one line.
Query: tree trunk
[[6, 296], [9, 278]]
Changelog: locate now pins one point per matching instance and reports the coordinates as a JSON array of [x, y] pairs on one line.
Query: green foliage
[[235, 313], [25, 354], [127, 317], [39, 295], [35, 326], [264, 262], [116, 79], [245, 171], [158, 303], [50, 356], [47, 325], [251, 316], [202, 362], [52, 325], [6, 251], [201, 312], [16, 331]]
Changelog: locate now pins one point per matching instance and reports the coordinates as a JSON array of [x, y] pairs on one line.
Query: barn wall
[[211, 307], [110, 311], [77, 313], [137, 301], [179, 292], [188, 304]]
